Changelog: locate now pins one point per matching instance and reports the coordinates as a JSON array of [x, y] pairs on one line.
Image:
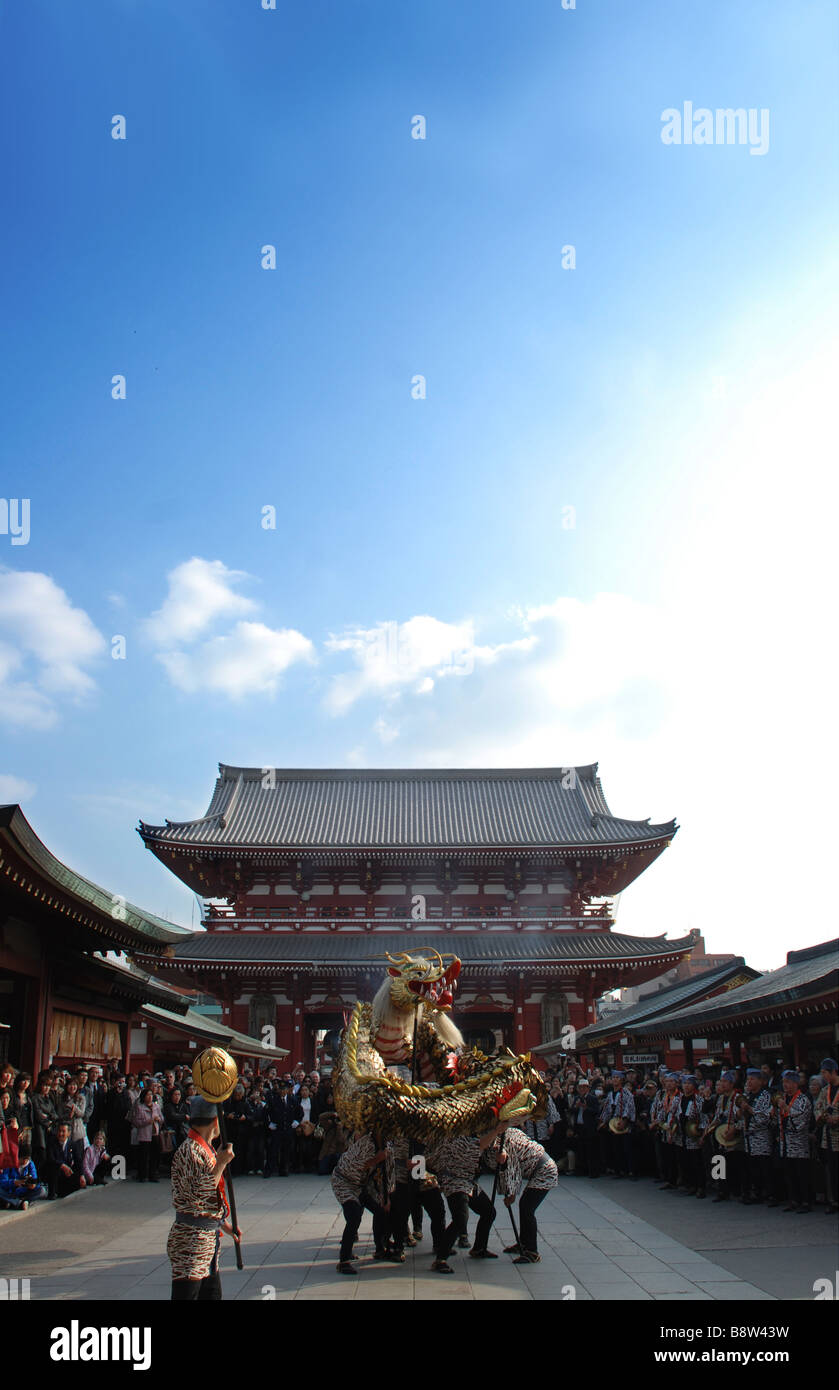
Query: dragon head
[[420, 979], [515, 1103]]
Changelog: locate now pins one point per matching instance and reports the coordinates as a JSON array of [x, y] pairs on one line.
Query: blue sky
[[671, 389]]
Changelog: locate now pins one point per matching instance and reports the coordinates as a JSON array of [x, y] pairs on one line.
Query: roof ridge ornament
[[221, 816]]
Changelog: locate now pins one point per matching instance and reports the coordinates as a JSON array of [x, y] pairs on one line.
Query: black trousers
[[831, 1176], [733, 1184], [691, 1168], [591, 1149], [405, 1201], [256, 1151], [531, 1198], [645, 1161], [353, 1212], [279, 1151], [623, 1158], [197, 1290], [586, 1149], [759, 1176], [63, 1185], [102, 1171], [796, 1176], [460, 1204], [39, 1158], [670, 1162], [148, 1159]]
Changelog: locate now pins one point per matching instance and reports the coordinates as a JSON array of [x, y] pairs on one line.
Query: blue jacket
[[10, 1175]]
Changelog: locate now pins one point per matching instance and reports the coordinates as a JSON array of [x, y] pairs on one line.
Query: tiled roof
[[127, 979], [44, 872], [209, 1030], [806, 975], [664, 1001], [473, 948], [300, 809]]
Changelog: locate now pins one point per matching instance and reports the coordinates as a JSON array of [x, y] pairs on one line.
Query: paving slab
[[626, 1242]]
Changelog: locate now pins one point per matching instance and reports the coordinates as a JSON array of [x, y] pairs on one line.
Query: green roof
[[209, 1031], [135, 925]]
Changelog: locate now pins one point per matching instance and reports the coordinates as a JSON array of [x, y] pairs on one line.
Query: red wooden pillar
[[301, 988], [227, 994], [285, 1033], [518, 1013], [36, 1019], [588, 1000]]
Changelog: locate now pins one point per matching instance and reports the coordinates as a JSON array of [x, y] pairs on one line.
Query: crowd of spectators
[[65, 1130], [68, 1130], [778, 1131]]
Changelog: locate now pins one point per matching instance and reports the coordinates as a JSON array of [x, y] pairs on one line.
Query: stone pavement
[[604, 1240]]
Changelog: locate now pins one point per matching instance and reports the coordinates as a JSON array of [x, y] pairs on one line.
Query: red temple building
[[310, 877]]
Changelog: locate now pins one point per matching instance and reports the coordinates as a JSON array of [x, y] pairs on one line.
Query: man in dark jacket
[[117, 1109], [237, 1114], [63, 1169], [282, 1111], [583, 1117], [44, 1120], [98, 1093]]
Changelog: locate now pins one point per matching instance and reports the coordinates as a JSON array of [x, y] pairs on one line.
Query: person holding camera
[[21, 1185]]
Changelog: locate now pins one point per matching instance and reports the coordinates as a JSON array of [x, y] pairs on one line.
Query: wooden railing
[[226, 918]]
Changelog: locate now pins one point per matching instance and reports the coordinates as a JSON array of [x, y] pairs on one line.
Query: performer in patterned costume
[[519, 1160], [728, 1117], [669, 1118], [691, 1128], [756, 1106], [405, 1189], [620, 1105], [201, 1207], [827, 1129], [793, 1122], [455, 1164], [352, 1180], [657, 1120]]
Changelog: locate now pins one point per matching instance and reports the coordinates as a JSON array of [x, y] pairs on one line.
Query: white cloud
[[594, 676], [386, 731], [249, 660], [392, 657], [45, 646], [14, 789], [200, 591]]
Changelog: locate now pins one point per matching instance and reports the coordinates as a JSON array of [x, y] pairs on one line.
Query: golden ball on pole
[[214, 1073]]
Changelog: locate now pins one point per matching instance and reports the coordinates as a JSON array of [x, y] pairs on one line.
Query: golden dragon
[[407, 1028]]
